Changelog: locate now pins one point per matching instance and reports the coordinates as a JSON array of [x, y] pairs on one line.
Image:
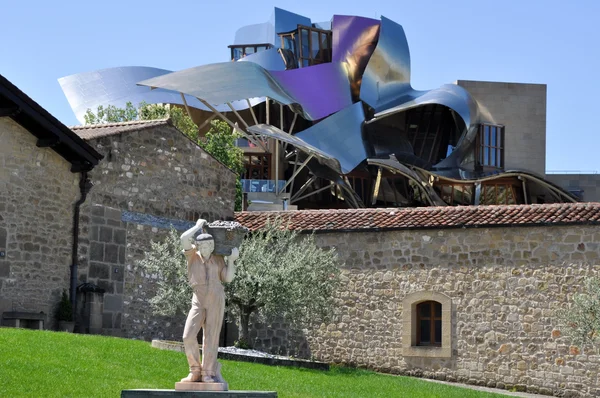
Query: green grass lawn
[[51, 364]]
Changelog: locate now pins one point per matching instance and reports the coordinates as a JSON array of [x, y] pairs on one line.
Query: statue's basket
[[226, 238]]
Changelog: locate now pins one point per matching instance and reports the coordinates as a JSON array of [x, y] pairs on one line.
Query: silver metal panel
[[117, 86], [281, 21], [223, 82], [278, 134], [269, 59], [314, 92], [387, 75], [339, 136]]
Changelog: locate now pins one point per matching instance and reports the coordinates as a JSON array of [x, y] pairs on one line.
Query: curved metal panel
[[353, 41], [321, 89], [274, 132], [339, 136], [117, 86], [314, 92], [223, 82], [269, 59], [397, 167], [113, 86], [387, 75]]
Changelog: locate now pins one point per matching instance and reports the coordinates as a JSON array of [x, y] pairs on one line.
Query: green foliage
[[78, 365], [111, 114], [65, 309], [219, 141], [166, 261], [582, 320], [283, 274]]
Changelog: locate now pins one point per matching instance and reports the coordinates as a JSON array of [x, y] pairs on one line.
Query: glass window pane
[[425, 332], [424, 310], [249, 50], [486, 156], [511, 196], [499, 134], [438, 309], [237, 53], [486, 135], [315, 45], [493, 159], [499, 157], [501, 194], [305, 50], [438, 332]]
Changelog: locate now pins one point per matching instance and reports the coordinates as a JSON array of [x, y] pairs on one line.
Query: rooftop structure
[[330, 119]]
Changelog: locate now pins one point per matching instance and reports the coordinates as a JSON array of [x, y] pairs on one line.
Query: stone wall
[[149, 180], [37, 197], [159, 171], [521, 108], [504, 284]]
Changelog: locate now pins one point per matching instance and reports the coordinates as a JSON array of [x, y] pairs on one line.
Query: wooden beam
[[47, 142], [9, 111]]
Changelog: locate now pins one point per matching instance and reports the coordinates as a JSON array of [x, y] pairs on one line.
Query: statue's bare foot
[[208, 379], [193, 377]]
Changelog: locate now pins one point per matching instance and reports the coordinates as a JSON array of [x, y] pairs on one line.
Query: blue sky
[[531, 41]]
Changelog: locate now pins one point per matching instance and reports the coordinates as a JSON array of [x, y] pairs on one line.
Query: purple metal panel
[[349, 32], [321, 89], [354, 40]]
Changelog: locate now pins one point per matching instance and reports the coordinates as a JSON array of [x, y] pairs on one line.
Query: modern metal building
[[330, 119]]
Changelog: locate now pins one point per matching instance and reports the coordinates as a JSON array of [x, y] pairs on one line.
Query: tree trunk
[[244, 320]]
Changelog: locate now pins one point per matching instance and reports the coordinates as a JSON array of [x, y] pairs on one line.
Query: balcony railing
[[262, 185]]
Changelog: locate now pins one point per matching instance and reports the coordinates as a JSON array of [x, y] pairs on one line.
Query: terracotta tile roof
[[429, 217], [92, 131]]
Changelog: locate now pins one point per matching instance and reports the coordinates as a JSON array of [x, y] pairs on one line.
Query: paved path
[[486, 389]]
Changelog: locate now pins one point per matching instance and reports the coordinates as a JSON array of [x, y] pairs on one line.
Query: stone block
[[117, 273], [93, 233], [108, 286], [96, 251], [111, 253], [107, 320], [98, 210], [105, 234], [113, 214], [121, 255], [3, 235], [4, 270], [98, 270], [113, 302], [120, 236]]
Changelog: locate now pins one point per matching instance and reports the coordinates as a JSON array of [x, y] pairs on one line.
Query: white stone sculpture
[[206, 271]]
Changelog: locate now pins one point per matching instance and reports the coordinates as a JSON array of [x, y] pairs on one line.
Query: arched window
[[429, 324]]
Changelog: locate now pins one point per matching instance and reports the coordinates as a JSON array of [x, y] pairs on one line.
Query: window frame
[[410, 347], [498, 146], [432, 318]]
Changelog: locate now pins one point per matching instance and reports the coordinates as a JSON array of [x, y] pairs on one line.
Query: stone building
[[42, 168], [464, 294], [152, 178]]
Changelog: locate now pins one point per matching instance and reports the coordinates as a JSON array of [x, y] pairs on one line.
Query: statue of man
[[206, 271]]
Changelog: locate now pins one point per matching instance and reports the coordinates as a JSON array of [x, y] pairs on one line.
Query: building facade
[[330, 119]]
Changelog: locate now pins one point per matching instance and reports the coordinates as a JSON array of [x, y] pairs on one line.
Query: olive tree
[[582, 319], [279, 273]]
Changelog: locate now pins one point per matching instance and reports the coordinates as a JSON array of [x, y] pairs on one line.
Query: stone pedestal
[[197, 394], [191, 386]]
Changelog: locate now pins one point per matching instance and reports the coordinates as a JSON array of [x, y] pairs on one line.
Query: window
[[498, 194], [490, 146], [239, 51], [427, 325], [257, 166], [455, 194], [311, 46]]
